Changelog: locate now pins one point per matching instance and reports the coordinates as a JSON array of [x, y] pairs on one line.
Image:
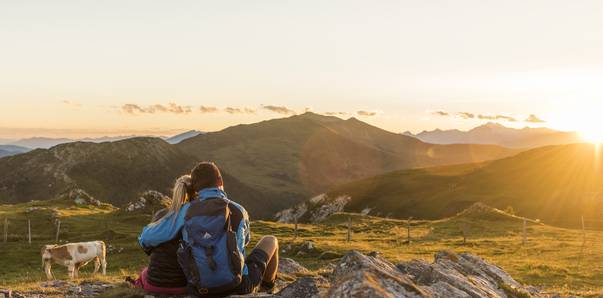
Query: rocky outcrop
[[80, 197], [464, 275], [367, 276], [149, 200], [314, 210], [358, 275], [450, 275]]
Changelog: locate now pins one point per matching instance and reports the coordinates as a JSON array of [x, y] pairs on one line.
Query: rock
[[464, 275], [80, 197], [305, 287], [6, 293], [329, 255], [358, 275], [291, 267], [314, 210], [148, 201]]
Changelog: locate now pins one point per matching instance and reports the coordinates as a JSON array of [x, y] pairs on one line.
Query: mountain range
[[557, 184], [8, 150], [45, 143], [497, 134], [183, 136], [268, 165]]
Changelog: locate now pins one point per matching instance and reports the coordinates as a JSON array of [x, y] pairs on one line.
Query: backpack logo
[[206, 236]]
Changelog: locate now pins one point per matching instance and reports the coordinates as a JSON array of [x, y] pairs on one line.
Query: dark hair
[[204, 175]]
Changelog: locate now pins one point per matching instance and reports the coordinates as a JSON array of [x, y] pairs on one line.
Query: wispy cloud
[[205, 109], [534, 119], [466, 115], [440, 113], [71, 103], [366, 113], [336, 113], [496, 117], [233, 110], [156, 108], [279, 109]]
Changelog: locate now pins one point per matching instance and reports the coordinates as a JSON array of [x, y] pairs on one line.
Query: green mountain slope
[[556, 184], [309, 153], [114, 172]]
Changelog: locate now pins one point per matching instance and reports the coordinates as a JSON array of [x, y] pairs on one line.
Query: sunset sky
[[90, 68]]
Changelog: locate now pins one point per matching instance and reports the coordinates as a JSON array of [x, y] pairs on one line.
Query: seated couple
[[197, 245]]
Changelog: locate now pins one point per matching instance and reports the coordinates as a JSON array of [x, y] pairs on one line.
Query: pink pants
[[142, 282]]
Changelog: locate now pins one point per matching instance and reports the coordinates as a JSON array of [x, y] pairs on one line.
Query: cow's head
[[47, 253]]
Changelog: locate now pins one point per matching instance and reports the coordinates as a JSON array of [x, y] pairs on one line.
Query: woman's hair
[[204, 175], [180, 195]]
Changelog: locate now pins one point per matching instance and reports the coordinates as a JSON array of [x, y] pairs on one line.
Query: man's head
[[206, 175]]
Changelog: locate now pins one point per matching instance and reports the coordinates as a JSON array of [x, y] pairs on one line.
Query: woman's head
[[206, 175], [181, 194]]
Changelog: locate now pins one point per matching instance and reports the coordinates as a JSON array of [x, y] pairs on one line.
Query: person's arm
[[247, 231], [154, 234]]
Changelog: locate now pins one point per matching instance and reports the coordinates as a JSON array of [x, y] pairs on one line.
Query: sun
[[592, 135]]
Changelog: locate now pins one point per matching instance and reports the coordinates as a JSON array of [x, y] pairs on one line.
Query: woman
[[163, 275]]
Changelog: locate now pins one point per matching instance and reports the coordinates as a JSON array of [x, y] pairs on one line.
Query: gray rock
[[358, 275], [291, 267], [310, 287], [463, 275]]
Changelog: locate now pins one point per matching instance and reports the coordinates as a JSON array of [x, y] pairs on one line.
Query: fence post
[[295, 234], [5, 229], [349, 237], [408, 230], [56, 238], [29, 231], [525, 236]]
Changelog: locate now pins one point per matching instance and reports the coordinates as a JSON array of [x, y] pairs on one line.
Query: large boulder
[[290, 266], [464, 275], [310, 287], [358, 275]]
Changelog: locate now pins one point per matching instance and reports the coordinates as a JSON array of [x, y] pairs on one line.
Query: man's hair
[[204, 175]]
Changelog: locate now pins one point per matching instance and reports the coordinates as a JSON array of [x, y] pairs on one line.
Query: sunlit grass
[[553, 258]]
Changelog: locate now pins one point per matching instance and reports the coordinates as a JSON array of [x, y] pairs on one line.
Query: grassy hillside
[[553, 258], [306, 154], [556, 184], [268, 165], [114, 172]]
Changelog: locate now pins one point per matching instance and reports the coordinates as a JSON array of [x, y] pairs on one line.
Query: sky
[[91, 68]]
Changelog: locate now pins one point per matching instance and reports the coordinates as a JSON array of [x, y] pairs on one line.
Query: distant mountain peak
[[495, 133]]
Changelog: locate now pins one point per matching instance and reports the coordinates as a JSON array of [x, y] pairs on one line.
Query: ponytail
[[181, 194]]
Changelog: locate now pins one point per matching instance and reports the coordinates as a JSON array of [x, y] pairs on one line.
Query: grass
[[553, 258]]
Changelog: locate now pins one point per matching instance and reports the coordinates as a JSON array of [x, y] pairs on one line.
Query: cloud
[[279, 109], [366, 113], [336, 113], [466, 115], [72, 103], [156, 108], [205, 109], [132, 108], [496, 117], [534, 119], [440, 113], [232, 110]]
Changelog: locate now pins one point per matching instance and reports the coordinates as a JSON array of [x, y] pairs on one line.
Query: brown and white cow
[[74, 256]]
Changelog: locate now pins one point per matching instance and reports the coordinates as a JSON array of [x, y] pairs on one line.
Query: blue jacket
[[154, 234]]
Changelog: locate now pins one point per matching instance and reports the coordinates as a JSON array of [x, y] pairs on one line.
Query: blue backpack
[[208, 253]]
